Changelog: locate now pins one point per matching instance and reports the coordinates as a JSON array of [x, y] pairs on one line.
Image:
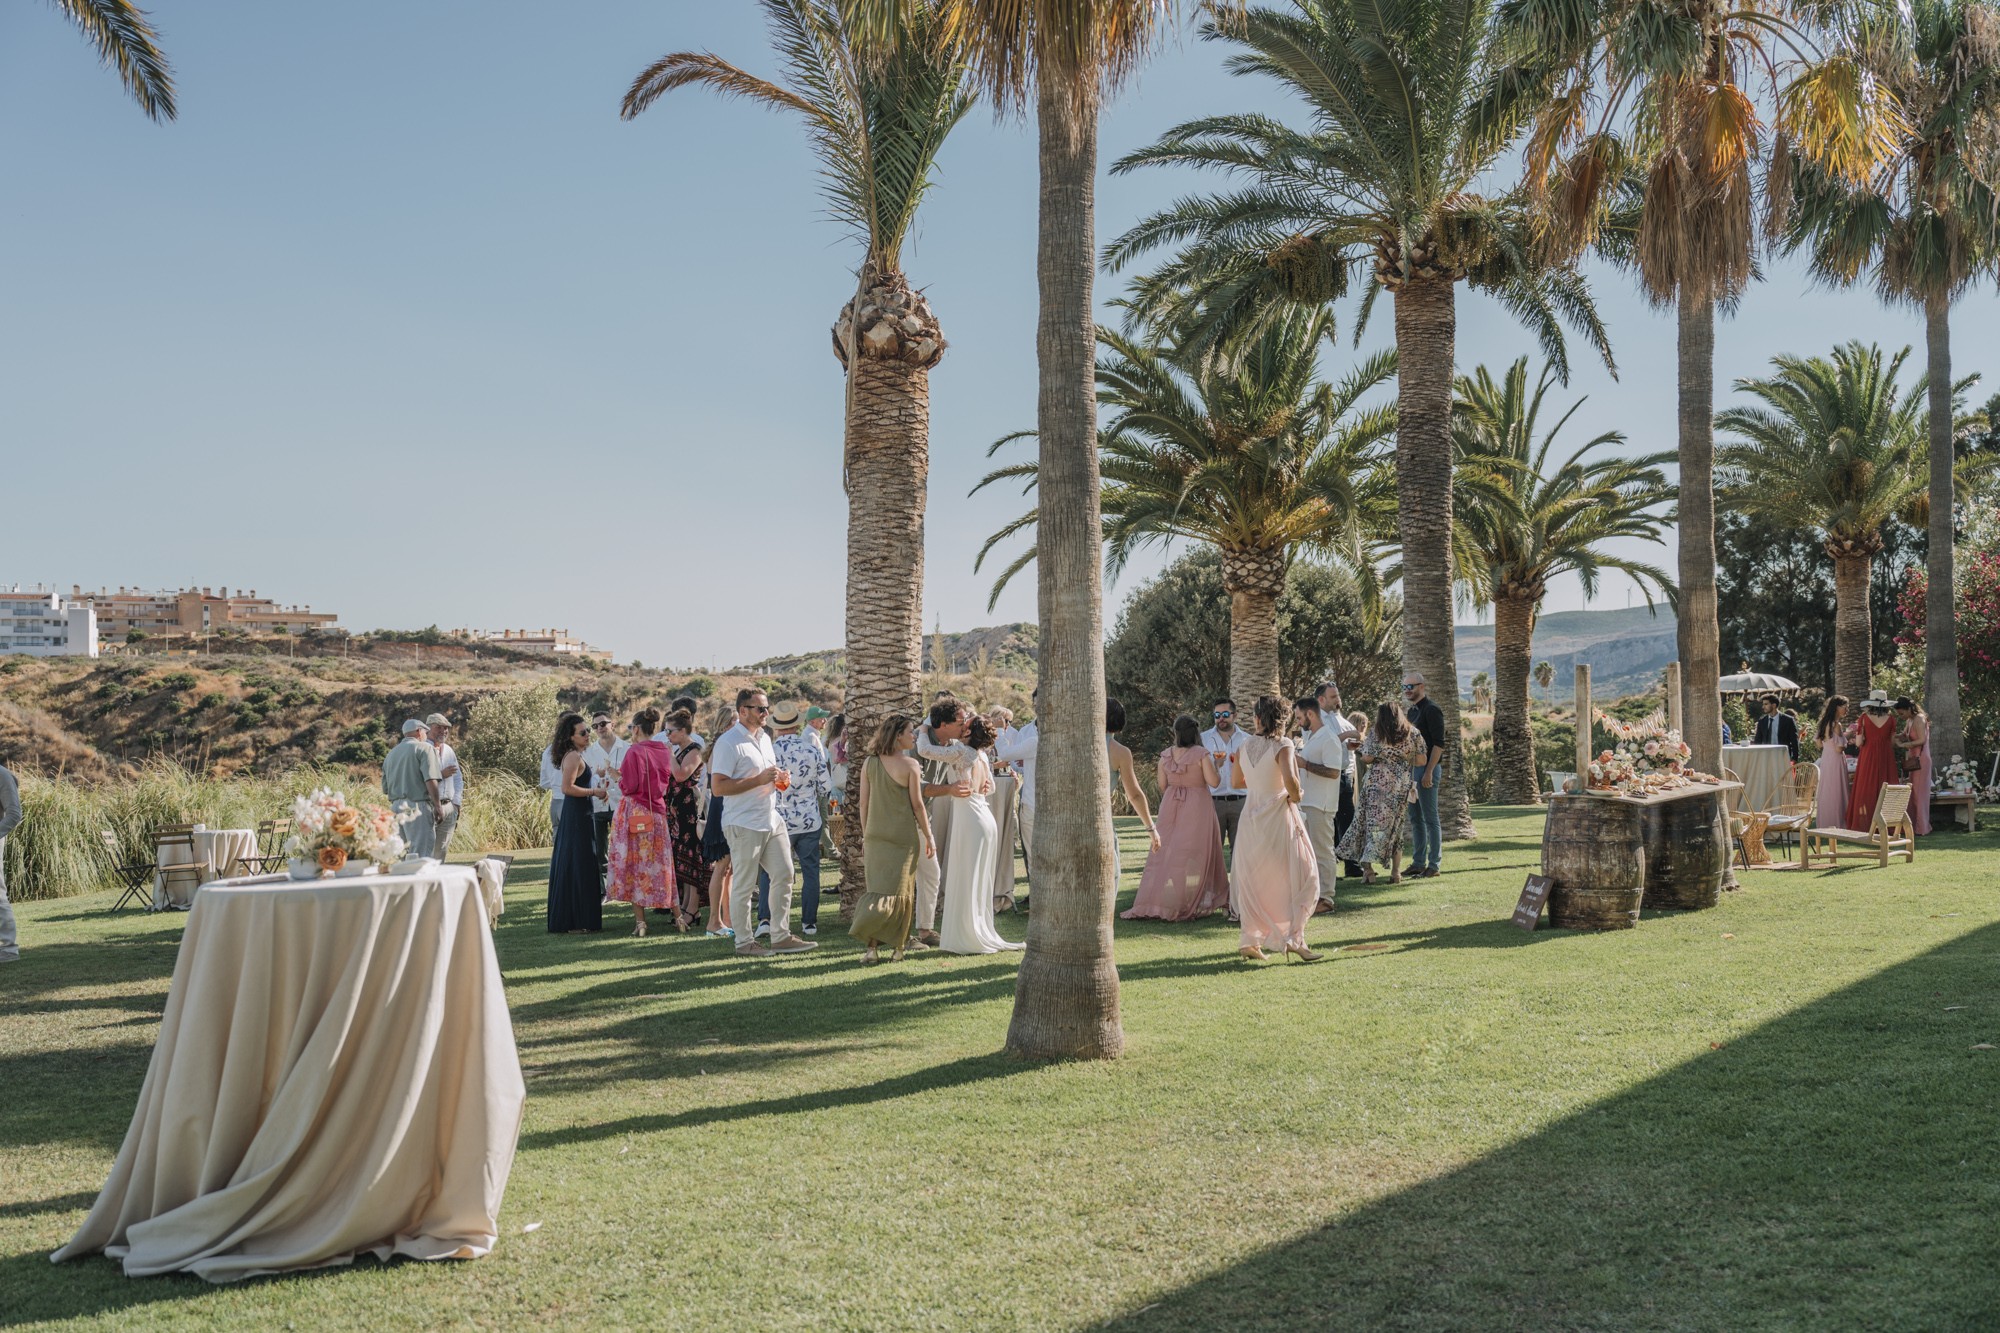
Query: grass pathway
[[1766, 1115]]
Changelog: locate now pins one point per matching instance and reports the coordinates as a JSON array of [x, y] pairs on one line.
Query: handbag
[[1909, 760], [640, 822]]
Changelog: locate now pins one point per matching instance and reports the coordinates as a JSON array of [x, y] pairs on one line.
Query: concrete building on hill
[[194, 611], [41, 622], [554, 642]]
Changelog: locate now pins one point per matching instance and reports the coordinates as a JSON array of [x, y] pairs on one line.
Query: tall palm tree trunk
[[888, 467], [1853, 625], [1426, 332], [1699, 636], [1940, 618], [1254, 580], [1514, 778], [1066, 994]]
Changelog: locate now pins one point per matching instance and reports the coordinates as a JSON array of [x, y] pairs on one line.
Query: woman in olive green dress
[[895, 831]]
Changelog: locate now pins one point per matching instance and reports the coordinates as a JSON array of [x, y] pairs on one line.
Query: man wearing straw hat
[[451, 782], [410, 781]]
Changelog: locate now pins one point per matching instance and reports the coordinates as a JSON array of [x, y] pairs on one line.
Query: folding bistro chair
[[186, 864], [271, 835], [1888, 834], [135, 876]]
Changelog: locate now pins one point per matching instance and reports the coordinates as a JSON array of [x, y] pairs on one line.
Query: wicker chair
[[1890, 834], [1798, 803]]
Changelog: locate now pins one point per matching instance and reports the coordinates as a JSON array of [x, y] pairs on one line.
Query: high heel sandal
[[1253, 953], [1305, 955], [870, 957], [639, 929]]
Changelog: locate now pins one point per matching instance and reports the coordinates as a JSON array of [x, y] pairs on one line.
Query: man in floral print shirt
[[800, 804]]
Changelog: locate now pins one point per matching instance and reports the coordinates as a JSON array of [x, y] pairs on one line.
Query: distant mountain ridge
[[1626, 649], [1006, 649]]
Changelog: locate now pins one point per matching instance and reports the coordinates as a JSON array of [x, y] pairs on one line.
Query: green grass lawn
[[1768, 1115]]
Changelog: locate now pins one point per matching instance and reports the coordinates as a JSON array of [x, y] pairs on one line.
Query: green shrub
[[179, 680], [700, 687], [506, 731]]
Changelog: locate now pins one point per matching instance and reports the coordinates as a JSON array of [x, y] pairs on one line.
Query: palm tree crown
[[1250, 453], [125, 41], [1529, 513]]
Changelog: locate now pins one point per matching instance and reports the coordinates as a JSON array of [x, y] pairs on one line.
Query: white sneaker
[[764, 930], [809, 930]]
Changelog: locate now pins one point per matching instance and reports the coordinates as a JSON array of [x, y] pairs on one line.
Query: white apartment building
[[41, 622]]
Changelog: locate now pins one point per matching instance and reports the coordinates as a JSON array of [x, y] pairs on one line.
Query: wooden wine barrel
[[1687, 852], [1593, 852]]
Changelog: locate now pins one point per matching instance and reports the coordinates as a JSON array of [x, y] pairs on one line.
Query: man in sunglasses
[[744, 773], [1222, 741], [1427, 834]]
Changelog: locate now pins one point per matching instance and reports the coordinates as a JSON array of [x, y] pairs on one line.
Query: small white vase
[[303, 869], [355, 869]]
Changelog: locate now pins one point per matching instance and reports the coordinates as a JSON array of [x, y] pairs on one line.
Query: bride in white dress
[[973, 852]]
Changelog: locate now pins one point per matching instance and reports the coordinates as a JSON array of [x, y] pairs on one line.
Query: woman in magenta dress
[[1185, 877], [1913, 760], [1831, 807], [1275, 878], [1877, 764], [641, 845]]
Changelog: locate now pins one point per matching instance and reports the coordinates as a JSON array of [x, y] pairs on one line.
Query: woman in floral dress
[[641, 849], [684, 818], [1390, 749]]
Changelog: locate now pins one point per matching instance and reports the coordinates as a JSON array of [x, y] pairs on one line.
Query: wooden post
[[1583, 718], [1673, 696]]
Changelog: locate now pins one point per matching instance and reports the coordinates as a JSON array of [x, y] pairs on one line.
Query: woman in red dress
[[1877, 764]]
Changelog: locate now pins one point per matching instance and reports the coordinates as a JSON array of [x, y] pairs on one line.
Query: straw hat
[[1876, 702], [785, 714]]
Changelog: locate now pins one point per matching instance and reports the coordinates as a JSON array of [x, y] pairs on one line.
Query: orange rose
[[332, 858], [346, 824]]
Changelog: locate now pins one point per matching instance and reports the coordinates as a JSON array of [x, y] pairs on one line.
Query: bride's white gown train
[[970, 859]]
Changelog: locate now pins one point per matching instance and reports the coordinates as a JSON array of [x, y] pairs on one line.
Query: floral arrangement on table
[[327, 832], [1647, 758], [1959, 777]]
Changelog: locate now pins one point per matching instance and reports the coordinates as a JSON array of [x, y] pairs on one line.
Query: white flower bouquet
[[327, 832]]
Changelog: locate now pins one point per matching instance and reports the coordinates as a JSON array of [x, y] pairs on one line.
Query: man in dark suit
[[1776, 728]]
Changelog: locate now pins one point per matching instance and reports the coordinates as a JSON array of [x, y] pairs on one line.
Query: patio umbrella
[[1756, 682]]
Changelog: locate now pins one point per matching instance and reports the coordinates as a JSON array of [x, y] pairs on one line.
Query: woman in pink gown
[[1831, 808], [1913, 741], [1275, 878], [1877, 764], [1185, 877]]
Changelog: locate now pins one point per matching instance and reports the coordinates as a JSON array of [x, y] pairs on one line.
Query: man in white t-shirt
[[744, 771], [1222, 741], [1322, 761], [1016, 746], [551, 782], [1328, 697], [451, 783]]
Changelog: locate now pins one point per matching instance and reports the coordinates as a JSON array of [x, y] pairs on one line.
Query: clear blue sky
[[394, 250]]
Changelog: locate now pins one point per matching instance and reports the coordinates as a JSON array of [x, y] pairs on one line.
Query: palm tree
[[1406, 123], [1545, 676], [1650, 114], [1835, 449], [1926, 220], [1533, 518], [1250, 454], [125, 41], [877, 126], [1064, 57]]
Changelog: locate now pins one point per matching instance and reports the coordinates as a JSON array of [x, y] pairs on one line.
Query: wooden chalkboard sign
[[1534, 895]]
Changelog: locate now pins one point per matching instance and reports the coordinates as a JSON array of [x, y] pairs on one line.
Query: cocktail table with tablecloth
[[335, 1074], [218, 852], [1762, 769]]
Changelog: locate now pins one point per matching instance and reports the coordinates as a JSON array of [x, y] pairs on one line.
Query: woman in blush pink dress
[[1186, 876], [1275, 878], [1833, 727], [1913, 760]]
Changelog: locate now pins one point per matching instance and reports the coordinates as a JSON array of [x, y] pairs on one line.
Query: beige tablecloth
[[1762, 770], [335, 1073], [217, 852]]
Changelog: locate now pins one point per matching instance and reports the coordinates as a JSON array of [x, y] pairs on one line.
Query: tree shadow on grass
[[1830, 1169]]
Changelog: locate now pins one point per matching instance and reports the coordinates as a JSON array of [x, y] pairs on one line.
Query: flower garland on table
[[1647, 759], [329, 832]]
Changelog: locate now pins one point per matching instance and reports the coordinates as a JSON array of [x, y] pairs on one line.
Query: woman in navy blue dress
[[576, 890]]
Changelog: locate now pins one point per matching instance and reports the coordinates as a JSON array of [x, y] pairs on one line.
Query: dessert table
[[217, 852], [1762, 769], [335, 1074]]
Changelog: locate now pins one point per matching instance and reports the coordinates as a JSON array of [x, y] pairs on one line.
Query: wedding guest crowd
[[1889, 743]]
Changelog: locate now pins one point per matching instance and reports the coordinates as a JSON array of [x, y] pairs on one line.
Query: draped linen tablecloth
[[217, 852], [335, 1073], [1762, 770]]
